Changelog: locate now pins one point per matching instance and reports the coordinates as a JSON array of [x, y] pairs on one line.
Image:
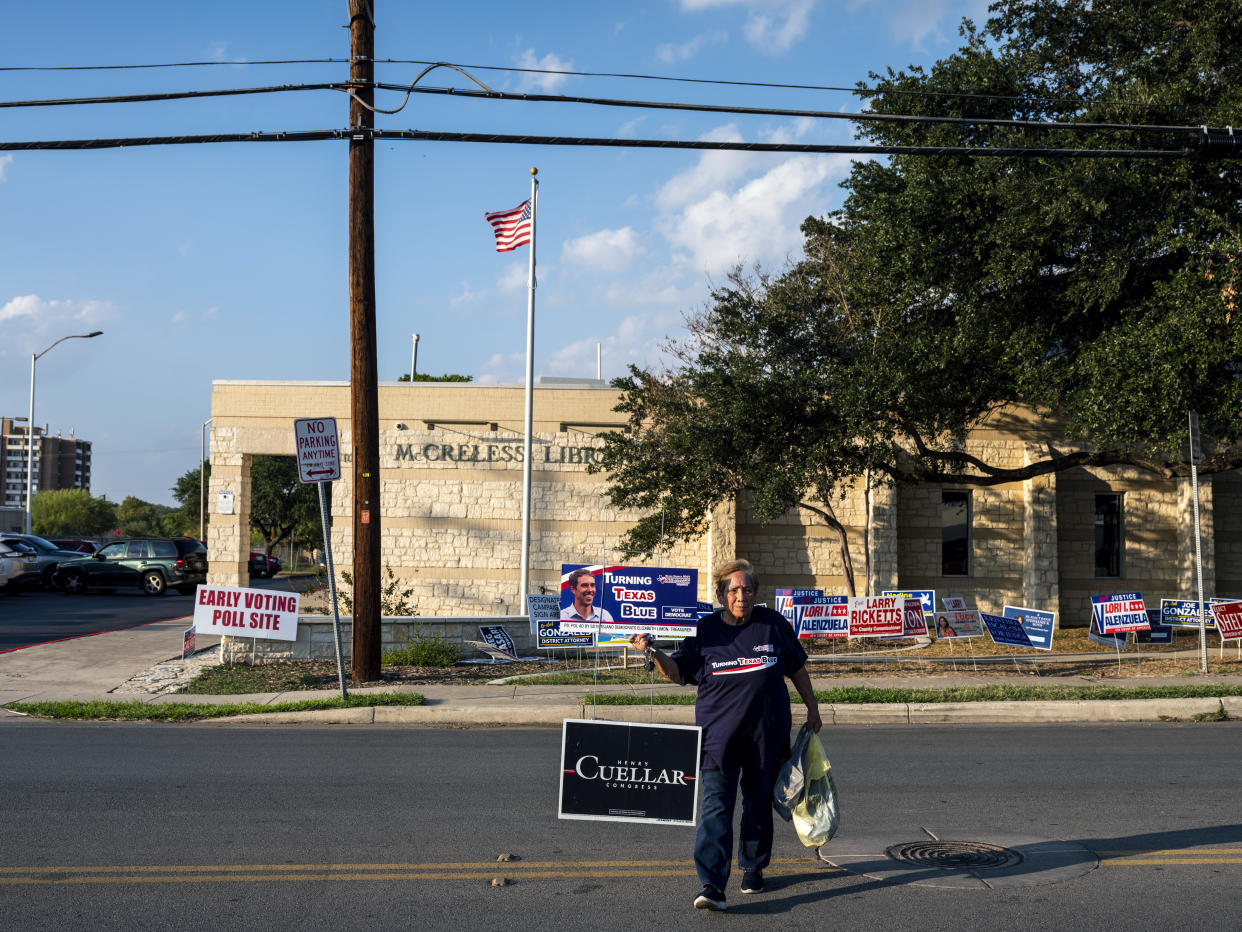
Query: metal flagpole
[[1195, 456], [530, 387]]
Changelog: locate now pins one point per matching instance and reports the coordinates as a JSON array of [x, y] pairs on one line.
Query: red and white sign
[[913, 620], [248, 613], [876, 616], [1228, 617], [319, 454]]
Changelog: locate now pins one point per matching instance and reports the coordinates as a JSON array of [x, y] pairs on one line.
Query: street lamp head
[[95, 334]]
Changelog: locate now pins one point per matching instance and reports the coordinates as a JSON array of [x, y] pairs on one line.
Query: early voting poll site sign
[[1119, 613], [627, 772], [659, 601], [250, 613]]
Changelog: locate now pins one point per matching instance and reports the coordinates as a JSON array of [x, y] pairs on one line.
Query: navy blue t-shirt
[[743, 702]]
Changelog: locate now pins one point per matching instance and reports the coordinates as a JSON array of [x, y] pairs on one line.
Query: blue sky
[[229, 261]]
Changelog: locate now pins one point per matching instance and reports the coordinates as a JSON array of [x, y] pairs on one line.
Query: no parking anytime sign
[[319, 455]]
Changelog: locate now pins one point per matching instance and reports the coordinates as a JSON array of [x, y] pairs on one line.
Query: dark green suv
[[151, 563]]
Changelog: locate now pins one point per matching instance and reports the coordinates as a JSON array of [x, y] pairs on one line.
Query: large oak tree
[[1101, 293]]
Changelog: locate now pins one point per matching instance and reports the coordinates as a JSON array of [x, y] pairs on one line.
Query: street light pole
[[30, 422], [414, 358], [202, 470]]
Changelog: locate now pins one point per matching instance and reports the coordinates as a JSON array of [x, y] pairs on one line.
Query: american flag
[[512, 227]]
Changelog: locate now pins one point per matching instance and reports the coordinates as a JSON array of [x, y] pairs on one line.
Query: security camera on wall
[[401, 426]]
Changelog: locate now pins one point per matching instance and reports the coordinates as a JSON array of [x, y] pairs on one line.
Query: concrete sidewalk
[[93, 667]]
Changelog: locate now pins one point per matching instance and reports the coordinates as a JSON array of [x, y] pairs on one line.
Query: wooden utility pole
[[363, 378]]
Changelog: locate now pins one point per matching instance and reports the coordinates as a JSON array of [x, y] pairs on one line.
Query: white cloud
[[516, 277], [211, 313], [772, 26], [28, 321], [672, 53], [712, 171], [756, 222], [180, 317], [5, 162], [605, 251], [915, 22], [544, 83], [467, 295], [503, 367]]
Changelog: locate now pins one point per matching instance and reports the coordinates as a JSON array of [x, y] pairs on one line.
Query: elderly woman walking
[[738, 659]]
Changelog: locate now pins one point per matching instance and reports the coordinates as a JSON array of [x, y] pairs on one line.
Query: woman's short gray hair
[[734, 566]]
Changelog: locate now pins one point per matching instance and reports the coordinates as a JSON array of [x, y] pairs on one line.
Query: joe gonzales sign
[[623, 772], [247, 613]]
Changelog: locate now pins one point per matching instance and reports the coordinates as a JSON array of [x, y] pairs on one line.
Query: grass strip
[[857, 695], [189, 712]]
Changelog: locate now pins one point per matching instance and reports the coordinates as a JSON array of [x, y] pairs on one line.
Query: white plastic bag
[[805, 789]]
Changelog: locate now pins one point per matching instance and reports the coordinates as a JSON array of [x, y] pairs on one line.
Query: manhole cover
[[954, 855]]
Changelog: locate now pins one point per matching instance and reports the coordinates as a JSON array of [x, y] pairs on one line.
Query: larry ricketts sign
[[653, 600], [623, 772], [249, 613]]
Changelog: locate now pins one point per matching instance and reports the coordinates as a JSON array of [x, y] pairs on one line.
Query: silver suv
[[49, 555]]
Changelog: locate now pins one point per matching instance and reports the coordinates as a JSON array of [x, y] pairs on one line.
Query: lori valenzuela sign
[[250, 613], [629, 772]]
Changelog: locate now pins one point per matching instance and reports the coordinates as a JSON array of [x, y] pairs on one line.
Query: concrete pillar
[[882, 539], [1187, 578], [228, 535], [1041, 574]]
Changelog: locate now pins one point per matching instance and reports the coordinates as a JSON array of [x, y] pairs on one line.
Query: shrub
[[424, 649]]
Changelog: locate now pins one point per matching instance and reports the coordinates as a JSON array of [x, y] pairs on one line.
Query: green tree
[[137, 518], [1100, 293], [281, 505], [424, 377], [186, 492], [68, 512]]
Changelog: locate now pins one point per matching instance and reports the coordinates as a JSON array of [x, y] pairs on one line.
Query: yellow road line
[[273, 873]]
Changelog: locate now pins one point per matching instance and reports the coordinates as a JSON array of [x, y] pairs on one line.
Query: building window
[[1108, 534], [954, 533]]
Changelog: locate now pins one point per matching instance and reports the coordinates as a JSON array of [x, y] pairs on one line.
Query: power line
[[859, 89], [168, 95], [489, 94], [610, 142]]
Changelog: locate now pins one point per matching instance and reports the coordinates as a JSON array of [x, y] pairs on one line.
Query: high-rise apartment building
[[59, 462]]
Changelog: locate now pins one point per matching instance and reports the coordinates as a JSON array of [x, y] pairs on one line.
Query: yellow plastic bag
[[816, 816]]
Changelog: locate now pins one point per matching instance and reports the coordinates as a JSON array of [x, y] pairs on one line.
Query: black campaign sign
[[624, 772]]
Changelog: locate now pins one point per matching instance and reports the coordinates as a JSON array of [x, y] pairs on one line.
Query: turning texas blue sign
[[625, 600]]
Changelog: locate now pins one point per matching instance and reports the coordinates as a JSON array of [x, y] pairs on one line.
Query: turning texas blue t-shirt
[[743, 702]]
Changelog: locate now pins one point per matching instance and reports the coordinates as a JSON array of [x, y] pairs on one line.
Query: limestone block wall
[[1150, 559], [1227, 538]]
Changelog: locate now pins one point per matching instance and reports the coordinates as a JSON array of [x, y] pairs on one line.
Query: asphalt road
[[38, 616], [122, 826]]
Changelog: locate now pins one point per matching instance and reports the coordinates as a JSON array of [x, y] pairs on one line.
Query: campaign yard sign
[[629, 772], [953, 603], [1109, 640], [926, 596], [1037, 624], [783, 601], [1228, 617], [965, 624], [1184, 613], [1006, 631], [498, 638], [654, 600], [550, 635], [1119, 612], [1159, 633], [876, 616], [821, 616], [913, 619], [250, 613]]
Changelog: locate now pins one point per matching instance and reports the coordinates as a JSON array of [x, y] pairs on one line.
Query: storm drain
[[954, 855]]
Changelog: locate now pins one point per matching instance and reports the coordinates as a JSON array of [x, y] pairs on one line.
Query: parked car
[[152, 564], [78, 544], [262, 565], [19, 566], [50, 556]]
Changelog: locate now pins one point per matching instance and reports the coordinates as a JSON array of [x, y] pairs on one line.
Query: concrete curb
[[543, 714]]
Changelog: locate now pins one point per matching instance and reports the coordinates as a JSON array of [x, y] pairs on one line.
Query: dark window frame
[[1109, 528], [955, 547]]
